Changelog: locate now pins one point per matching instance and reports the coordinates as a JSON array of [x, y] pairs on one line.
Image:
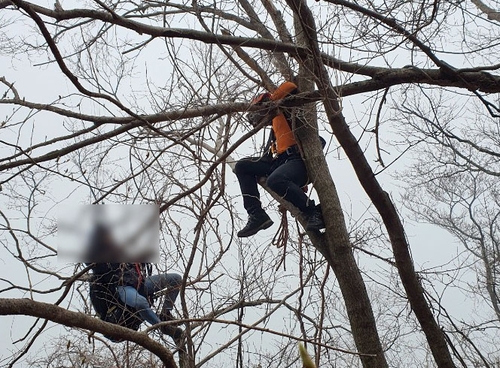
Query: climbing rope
[[281, 237]]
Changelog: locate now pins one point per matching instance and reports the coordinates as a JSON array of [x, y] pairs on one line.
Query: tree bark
[[68, 318], [335, 244], [378, 196]]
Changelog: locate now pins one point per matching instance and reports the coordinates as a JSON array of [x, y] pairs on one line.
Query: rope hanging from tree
[[281, 237]]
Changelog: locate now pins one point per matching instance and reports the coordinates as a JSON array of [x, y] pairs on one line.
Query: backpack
[[109, 307]]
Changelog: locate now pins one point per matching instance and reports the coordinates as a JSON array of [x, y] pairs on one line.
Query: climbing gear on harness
[[291, 151], [256, 222]]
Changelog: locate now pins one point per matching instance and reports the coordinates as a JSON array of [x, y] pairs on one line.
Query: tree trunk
[[380, 199], [335, 245]]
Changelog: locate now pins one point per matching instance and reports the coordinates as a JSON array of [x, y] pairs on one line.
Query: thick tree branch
[[491, 13], [444, 76], [261, 43], [28, 307], [446, 69], [383, 78]]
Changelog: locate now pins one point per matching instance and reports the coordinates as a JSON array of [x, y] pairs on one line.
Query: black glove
[[255, 117]]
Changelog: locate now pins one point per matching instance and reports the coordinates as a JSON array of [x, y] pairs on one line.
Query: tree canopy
[[144, 102]]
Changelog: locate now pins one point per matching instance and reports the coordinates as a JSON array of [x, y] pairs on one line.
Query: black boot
[[167, 316], [171, 330], [256, 221], [314, 219]]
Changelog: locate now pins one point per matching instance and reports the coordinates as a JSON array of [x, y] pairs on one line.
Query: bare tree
[[456, 188], [73, 352], [144, 103]]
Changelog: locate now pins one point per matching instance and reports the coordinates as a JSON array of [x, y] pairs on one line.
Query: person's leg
[[170, 281], [131, 297], [247, 171], [287, 181]]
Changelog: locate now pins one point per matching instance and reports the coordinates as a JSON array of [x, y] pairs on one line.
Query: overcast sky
[[430, 246]]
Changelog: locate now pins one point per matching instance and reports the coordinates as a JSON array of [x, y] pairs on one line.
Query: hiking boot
[[256, 222], [174, 332], [167, 316], [171, 329], [315, 220]]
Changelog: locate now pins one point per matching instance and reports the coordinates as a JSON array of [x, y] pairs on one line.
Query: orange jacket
[[282, 132]]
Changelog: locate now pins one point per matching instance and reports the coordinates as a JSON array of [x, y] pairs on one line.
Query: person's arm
[[284, 90], [255, 117]]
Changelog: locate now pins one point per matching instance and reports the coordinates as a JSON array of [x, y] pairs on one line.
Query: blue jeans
[[131, 297]]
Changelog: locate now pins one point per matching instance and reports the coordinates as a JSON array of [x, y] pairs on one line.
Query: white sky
[[430, 246]]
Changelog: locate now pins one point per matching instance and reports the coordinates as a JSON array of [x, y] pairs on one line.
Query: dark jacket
[[108, 259], [120, 274]]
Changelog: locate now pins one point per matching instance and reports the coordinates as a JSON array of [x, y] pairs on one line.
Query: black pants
[[286, 175]]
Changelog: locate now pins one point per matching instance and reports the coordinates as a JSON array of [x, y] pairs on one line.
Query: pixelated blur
[[108, 233]]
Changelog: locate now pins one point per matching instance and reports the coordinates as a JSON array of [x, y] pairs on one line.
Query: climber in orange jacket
[[283, 167]]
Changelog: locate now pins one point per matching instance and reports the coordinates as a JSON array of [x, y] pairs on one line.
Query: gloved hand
[[255, 117]]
